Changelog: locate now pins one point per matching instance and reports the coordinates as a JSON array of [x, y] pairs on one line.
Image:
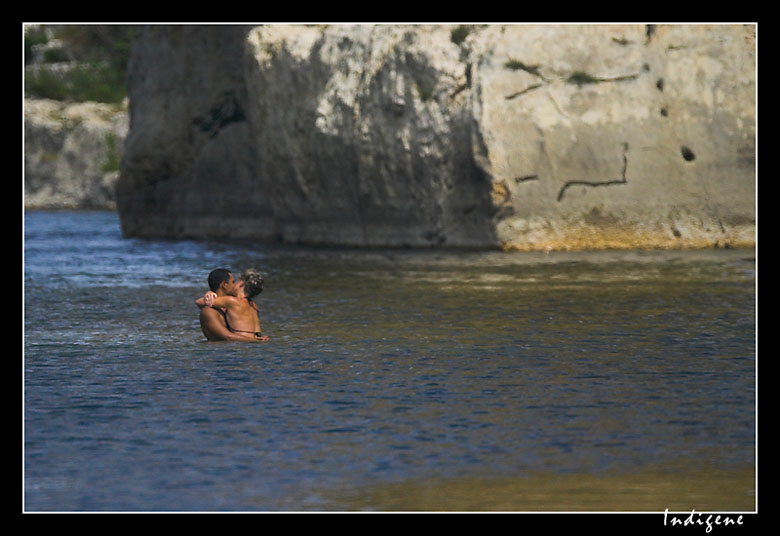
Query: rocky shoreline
[[72, 153], [523, 137]]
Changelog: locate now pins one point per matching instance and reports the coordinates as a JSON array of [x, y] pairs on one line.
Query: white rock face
[[520, 136], [646, 150], [366, 136], [71, 154]]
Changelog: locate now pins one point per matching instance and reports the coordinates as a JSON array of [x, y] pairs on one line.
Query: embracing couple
[[227, 312]]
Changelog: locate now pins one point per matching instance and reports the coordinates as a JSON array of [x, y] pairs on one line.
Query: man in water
[[228, 298]]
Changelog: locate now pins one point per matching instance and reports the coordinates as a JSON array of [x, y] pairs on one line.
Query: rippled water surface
[[394, 380]]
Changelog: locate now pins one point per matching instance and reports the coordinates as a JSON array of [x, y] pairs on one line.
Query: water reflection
[[710, 490]]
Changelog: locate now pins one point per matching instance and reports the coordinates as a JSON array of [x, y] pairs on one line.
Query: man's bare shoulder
[[209, 312]]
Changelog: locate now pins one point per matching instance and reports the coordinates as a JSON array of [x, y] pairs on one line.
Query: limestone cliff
[[516, 136], [72, 154]]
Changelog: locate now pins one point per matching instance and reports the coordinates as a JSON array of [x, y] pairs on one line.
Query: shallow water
[[475, 376]]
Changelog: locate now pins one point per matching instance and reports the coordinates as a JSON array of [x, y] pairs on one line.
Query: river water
[[395, 379]]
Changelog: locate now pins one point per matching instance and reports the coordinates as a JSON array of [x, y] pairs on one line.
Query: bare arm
[[205, 300], [210, 299], [223, 302]]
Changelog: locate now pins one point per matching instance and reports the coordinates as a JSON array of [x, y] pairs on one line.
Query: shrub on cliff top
[[102, 53], [90, 82]]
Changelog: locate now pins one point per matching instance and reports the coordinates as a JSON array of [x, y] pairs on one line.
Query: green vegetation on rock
[[97, 73]]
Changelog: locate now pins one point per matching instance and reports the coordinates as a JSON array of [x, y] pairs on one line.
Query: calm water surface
[[388, 371]]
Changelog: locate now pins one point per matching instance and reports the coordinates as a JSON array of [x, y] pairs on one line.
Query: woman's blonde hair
[[253, 282]]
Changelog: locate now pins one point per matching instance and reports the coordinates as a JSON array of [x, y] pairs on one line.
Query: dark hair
[[253, 283], [217, 277]]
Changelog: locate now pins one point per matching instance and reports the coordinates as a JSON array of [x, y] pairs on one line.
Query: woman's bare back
[[241, 314]]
